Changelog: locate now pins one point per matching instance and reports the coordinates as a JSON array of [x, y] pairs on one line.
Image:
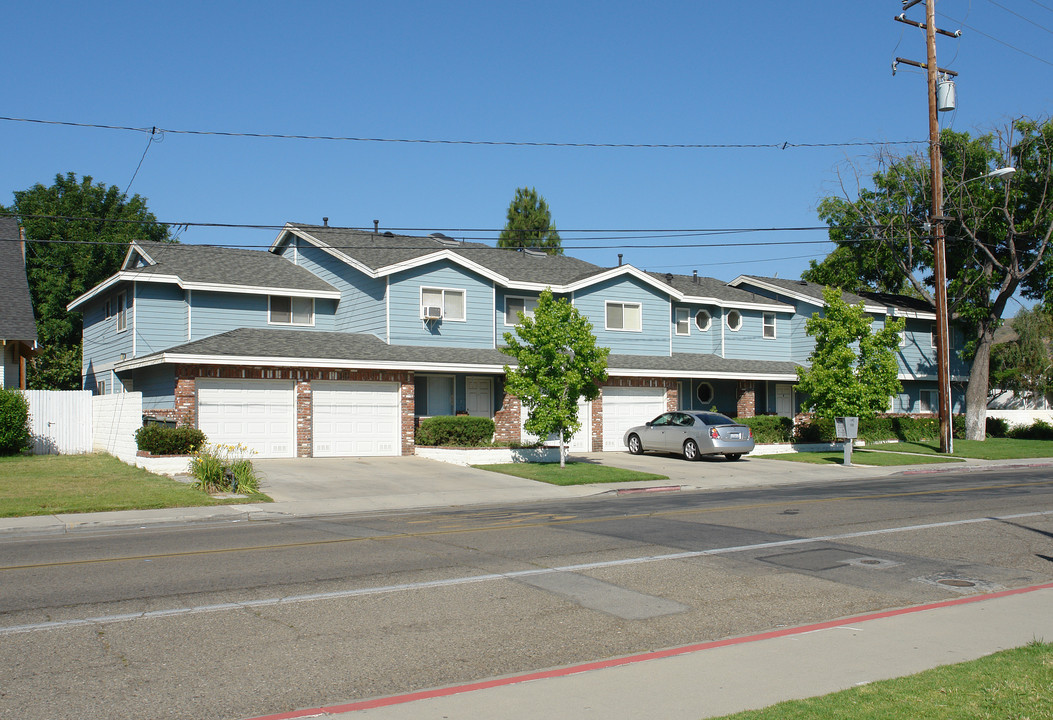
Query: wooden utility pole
[[939, 249]]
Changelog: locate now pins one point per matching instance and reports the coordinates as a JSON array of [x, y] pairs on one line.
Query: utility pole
[[939, 250]]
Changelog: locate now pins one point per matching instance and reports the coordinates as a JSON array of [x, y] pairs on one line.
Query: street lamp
[[943, 362]]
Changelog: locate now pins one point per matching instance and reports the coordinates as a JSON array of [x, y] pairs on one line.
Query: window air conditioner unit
[[432, 312]]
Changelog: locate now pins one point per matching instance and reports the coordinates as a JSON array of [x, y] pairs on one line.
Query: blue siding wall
[[407, 328], [697, 341], [160, 317], [652, 339], [362, 307], [103, 345], [157, 384], [218, 312], [749, 343]]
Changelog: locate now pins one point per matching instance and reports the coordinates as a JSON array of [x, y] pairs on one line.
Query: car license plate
[[735, 436]]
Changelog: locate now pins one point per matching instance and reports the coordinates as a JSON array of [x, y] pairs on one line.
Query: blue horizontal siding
[[362, 306], [160, 317], [406, 325], [218, 312], [652, 339]]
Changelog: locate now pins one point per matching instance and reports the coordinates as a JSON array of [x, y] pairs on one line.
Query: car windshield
[[710, 418]]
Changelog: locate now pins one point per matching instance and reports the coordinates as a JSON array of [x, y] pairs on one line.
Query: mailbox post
[[847, 429]]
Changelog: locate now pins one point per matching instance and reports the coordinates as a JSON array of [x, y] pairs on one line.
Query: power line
[[506, 143], [1022, 17], [1000, 42]]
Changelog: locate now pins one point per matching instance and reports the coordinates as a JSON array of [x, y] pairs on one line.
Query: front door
[[479, 396], [784, 400]]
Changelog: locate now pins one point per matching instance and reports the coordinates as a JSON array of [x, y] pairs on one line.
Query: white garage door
[[582, 440], [624, 407], [258, 413], [356, 418]]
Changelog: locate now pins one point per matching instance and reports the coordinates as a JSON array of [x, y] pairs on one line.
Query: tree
[[77, 234], [529, 224], [558, 363], [1024, 365], [997, 235], [853, 369]]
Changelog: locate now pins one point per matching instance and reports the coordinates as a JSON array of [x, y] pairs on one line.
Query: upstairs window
[[734, 320], [514, 306], [291, 310], [769, 325], [624, 316], [122, 311], [683, 321], [703, 320], [449, 303]]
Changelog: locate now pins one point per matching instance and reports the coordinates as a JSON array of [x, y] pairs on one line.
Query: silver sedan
[[692, 433]]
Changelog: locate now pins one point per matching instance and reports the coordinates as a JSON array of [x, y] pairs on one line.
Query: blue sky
[[551, 72]]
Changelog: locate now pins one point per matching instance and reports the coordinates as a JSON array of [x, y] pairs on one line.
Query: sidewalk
[[728, 676], [300, 488]]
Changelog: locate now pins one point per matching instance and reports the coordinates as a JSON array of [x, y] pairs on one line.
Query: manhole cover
[[956, 583]]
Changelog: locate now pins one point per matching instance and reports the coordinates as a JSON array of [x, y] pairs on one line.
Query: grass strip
[[54, 484], [575, 473], [1014, 683]]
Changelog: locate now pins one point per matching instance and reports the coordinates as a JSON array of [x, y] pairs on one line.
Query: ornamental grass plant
[[224, 468]]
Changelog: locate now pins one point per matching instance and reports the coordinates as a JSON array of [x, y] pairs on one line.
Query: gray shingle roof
[[226, 266], [711, 287], [377, 251], [315, 348], [814, 290], [16, 305]]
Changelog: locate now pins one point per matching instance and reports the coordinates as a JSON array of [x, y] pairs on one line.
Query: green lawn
[[51, 484], [989, 449], [576, 473], [860, 457], [1009, 684]]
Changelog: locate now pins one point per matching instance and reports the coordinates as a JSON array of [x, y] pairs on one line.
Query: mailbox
[[846, 428]]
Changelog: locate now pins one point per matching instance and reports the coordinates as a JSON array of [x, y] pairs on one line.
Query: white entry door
[[479, 396], [356, 418], [260, 414], [625, 407], [784, 400]]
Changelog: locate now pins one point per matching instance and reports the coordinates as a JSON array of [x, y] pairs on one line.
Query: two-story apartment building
[[337, 341]]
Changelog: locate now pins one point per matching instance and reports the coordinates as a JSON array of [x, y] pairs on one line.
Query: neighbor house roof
[[16, 304], [203, 267], [279, 347], [874, 302]]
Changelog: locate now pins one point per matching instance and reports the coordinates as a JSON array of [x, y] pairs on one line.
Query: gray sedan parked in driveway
[[692, 433]]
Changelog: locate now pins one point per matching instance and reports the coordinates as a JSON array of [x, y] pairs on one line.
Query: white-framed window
[[624, 316], [100, 387], [734, 320], [930, 401], [448, 300], [703, 320], [704, 393], [122, 311], [933, 334], [284, 310], [109, 309], [769, 325], [516, 305], [683, 321]]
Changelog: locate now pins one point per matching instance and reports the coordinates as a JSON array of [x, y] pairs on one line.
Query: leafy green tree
[[529, 224], [14, 422], [853, 369], [558, 363], [997, 233], [1024, 365], [77, 233]]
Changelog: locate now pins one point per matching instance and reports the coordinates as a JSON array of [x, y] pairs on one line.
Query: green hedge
[[165, 440], [769, 428], [904, 428], [14, 422], [1039, 431], [459, 430]]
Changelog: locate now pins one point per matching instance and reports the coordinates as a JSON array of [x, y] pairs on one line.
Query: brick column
[[506, 420], [186, 400], [304, 419], [409, 410], [747, 399]]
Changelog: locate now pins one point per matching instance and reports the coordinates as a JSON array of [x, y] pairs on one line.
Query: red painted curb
[[630, 659]]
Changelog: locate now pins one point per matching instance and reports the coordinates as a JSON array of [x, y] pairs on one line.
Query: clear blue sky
[[559, 72]]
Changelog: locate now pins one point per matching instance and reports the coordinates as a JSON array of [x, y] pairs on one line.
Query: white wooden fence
[[67, 422]]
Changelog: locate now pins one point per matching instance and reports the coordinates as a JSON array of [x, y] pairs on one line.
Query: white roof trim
[[136, 247], [193, 359], [290, 229]]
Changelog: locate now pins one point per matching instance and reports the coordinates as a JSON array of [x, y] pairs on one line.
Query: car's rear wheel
[[691, 450], [635, 447], [734, 456]]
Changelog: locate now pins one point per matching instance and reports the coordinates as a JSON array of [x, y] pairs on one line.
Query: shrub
[[224, 468], [769, 428], [1038, 431], [462, 430], [165, 440], [997, 427], [14, 422], [905, 428]]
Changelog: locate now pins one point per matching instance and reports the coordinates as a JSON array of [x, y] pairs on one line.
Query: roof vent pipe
[[695, 276], [619, 259], [669, 277], [325, 222], [376, 226]]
